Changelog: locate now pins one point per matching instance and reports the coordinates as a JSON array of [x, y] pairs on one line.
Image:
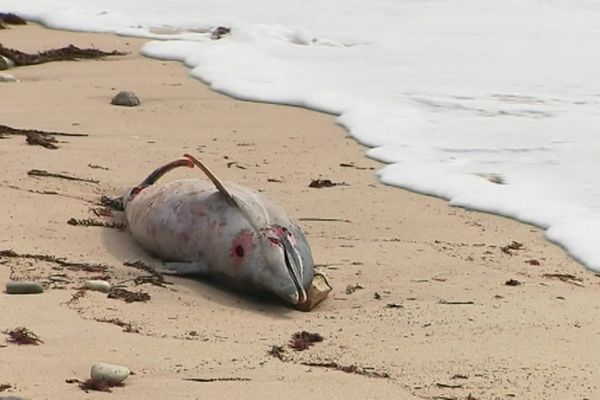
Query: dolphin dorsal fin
[[213, 178]]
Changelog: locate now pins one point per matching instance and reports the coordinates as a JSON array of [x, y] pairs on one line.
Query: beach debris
[[128, 296], [349, 369], [321, 183], [7, 130], [218, 32], [34, 138], [317, 292], [459, 376], [109, 373], [125, 98], [94, 166], [277, 352], [533, 262], [493, 178], [24, 287], [76, 266], [353, 288], [314, 219], [68, 53], [513, 282], [6, 63], [97, 285], [76, 296], [568, 278], [275, 180], [351, 165], [303, 340], [448, 385], [513, 246], [102, 212], [394, 305], [4, 386], [12, 19], [44, 173], [204, 380], [127, 327], [155, 278], [95, 222], [22, 336], [235, 164], [376, 296], [468, 302], [5, 77]]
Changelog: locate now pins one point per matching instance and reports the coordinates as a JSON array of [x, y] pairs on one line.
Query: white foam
[[447, 92]]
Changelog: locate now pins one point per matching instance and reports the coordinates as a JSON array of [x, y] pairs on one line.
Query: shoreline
[[420, 254]]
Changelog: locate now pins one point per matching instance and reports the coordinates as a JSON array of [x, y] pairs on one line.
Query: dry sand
[[537, 340]]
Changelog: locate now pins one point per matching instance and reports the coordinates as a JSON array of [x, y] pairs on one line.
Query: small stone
[[24, 287], [109, 372], [6, 63], [4, 77], [97, 285], [317, 292], [127, 99]]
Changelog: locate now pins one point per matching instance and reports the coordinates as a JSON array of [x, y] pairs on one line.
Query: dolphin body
[[220, 229]]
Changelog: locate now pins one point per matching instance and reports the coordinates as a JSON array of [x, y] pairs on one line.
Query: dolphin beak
[[293, 263]]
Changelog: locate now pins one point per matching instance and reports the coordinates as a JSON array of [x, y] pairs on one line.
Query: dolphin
[[220, 229]]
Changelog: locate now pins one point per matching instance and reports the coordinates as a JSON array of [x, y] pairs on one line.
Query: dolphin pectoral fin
[[213, 178], [184, 267]]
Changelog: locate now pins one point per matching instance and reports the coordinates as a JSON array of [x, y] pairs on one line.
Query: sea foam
[[491, 105]]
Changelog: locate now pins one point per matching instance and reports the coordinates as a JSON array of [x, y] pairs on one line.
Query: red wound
[[242, 246]]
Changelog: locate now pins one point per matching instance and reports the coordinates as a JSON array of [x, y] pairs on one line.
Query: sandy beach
[[421, 308]]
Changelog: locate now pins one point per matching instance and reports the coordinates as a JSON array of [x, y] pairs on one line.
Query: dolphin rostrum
[[220, 229]]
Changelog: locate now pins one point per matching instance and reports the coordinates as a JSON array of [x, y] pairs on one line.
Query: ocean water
[[493, 105]]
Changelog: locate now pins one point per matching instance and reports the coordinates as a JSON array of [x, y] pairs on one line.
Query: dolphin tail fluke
[[213, 178]]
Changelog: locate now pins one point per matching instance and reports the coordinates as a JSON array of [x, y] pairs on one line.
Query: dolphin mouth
[[293, 263]]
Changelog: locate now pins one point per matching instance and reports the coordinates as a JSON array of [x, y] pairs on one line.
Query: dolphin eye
[[239, 251], [275, 241]]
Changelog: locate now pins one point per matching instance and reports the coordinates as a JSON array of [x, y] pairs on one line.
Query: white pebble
[[4, 77], [97, 285], [109, 372]]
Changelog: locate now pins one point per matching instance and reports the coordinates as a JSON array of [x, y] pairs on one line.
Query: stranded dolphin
[[221, 229]]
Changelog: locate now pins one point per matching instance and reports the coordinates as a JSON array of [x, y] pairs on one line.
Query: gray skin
[[226, 230]]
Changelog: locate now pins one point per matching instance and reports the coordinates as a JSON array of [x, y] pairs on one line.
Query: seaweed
[[78, 266], [303, 340], [349, 369], [94, 222], [68, 53], [128, 296], [44, 173], [22, 335]]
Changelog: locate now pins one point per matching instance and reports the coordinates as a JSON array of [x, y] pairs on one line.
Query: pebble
[[23, 287], [6, 63], [97, 285], [109, 372], [128, 99], [4, 77]]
